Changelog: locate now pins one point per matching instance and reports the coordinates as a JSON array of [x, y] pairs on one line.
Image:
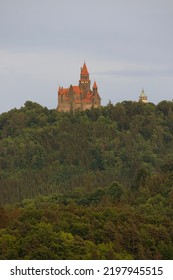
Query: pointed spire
[[142, 93], [84, 70], [94, 85]]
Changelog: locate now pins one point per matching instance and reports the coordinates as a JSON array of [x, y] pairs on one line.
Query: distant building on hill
[[79, 97], [143, 97]]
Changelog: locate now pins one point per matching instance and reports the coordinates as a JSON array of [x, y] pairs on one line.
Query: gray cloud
[[126, 44], [138, 73]]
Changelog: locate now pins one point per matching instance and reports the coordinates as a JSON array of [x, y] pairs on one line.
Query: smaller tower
[[143, 97], [94, 86], [96, 97]]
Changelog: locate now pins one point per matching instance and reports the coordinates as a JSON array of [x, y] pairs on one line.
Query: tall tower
[[84, 82]]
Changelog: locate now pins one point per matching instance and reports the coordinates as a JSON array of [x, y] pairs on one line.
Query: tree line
[[87, 185]]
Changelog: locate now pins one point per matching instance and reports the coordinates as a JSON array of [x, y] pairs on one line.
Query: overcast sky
[[126, 44]]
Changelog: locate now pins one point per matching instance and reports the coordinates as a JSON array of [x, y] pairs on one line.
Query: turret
[[94, 86], [96, 97]]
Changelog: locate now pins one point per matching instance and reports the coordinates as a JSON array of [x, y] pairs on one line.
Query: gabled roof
[[88, 97], [62, 90], [76, 89]]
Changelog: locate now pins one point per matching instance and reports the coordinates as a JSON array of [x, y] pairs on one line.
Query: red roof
[[94, 85], [84, 70], [88, 95], [62, 90], [77, 89]]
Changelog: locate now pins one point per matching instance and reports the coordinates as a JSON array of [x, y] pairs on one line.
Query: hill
[[92, 184]]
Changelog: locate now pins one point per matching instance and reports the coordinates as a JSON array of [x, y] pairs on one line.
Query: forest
[[96, 184]]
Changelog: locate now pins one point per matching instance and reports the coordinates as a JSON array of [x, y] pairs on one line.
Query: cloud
[[126, 45], [139, 72]]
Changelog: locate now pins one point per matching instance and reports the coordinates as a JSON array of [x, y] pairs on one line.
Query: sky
[[127, 45]]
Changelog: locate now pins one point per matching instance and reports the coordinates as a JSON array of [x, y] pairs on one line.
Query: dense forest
[[96, 184]]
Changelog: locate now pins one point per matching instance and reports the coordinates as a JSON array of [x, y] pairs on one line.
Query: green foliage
[[89, 185], [48, 228], [115, 191]]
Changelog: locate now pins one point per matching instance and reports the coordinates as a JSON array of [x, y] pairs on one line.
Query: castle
[[79, 97]]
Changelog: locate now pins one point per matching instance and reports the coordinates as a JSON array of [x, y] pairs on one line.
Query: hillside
[[93, 184]]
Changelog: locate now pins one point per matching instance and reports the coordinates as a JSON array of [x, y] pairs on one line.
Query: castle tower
[[84, 82], [143, 97]]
